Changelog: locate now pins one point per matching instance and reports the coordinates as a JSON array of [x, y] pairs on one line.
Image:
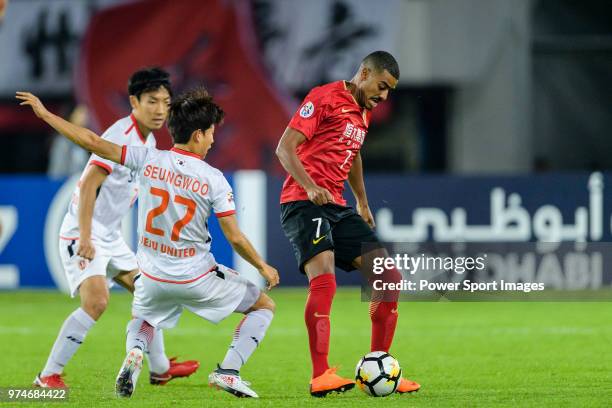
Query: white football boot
[[230, 381], [128, 374]]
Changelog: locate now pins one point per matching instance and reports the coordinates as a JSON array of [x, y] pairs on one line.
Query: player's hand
[[366, 214], [319, 195], [31, 100], [86, 249], [270, 274]]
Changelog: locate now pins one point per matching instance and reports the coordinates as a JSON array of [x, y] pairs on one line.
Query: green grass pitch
[[463, 354]]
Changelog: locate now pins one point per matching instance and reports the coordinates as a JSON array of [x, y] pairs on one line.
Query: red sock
[[318, 306], [383, 313], [384, 320]]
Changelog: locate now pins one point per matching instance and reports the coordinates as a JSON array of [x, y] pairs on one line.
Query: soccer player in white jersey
[[92, 249], [179, 192]]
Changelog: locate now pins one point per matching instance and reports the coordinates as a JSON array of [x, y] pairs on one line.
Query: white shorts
[[110, 259], [213, 297]]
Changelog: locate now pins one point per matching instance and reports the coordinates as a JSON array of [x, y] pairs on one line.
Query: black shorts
[[313, 229]]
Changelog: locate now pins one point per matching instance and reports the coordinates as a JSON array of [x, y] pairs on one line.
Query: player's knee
[[99, 306], [265, 302], [392, 275], [269, 304], [321, 264], [96, 306]]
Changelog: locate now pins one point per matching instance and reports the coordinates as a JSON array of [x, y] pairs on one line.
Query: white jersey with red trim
[[179, 191], [119, 190]]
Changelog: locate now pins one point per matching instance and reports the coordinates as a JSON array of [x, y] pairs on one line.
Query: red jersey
[[335, 127]]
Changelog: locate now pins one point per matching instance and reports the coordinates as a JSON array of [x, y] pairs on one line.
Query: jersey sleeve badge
[[307, 110]]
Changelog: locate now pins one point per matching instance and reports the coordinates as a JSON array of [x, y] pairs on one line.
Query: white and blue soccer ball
[[378, 374]]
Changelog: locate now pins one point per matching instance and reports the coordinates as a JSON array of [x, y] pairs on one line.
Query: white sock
[[158, 362], [139, 334], [70, 337], [249, 333]]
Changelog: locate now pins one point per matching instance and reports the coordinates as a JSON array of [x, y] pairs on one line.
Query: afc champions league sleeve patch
[[307, 110]]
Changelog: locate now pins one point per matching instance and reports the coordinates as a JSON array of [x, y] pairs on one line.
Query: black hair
[[382, 60], [147, 80], [191, 111]]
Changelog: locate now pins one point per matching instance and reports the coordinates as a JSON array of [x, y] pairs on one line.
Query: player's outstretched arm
[[286, 152], [79, 135], [242, 245], [355, 180]]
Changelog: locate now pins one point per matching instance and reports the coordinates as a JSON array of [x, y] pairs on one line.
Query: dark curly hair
[[191, 111]]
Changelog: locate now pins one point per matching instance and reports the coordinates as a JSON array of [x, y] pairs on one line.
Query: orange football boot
[[407, 386], [328, 382]]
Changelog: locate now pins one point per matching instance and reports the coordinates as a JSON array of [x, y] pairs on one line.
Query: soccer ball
[[378, 374]]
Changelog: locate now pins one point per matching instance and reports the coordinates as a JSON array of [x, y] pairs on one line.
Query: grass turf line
[[464, 354]]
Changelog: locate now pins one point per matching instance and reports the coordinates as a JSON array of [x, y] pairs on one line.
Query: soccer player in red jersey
[[320, 149]]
